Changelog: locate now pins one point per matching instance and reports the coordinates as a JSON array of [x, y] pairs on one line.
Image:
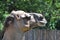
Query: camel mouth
[[42, 23]]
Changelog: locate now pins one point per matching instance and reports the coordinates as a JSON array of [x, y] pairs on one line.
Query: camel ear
[[9, 20]]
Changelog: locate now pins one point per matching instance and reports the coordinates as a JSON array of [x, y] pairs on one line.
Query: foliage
[[49, 8]]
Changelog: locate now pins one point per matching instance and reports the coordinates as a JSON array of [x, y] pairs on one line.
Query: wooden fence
[[43, 35]]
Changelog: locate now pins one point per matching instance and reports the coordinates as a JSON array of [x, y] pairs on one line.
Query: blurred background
[[49, 8]]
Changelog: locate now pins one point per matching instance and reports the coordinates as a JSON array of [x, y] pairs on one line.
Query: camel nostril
[[40, 18]]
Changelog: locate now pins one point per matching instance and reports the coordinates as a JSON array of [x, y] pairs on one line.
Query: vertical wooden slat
[[29, 35], [35, 34], [44, 35], [51, 35], [58, 35], [39, 34], [26, 36]]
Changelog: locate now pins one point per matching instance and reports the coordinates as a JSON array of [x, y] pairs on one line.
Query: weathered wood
[[43, 35], [58, 35]]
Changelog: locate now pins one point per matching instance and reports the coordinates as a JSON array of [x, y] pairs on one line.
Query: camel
[[19, 22]]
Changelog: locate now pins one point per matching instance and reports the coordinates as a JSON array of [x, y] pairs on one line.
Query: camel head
[[39, 20], [25, 21]]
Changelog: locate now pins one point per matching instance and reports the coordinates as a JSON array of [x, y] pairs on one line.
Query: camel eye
[[28, 18]]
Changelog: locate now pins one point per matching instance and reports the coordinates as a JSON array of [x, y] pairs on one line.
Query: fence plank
[[58, 35]]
